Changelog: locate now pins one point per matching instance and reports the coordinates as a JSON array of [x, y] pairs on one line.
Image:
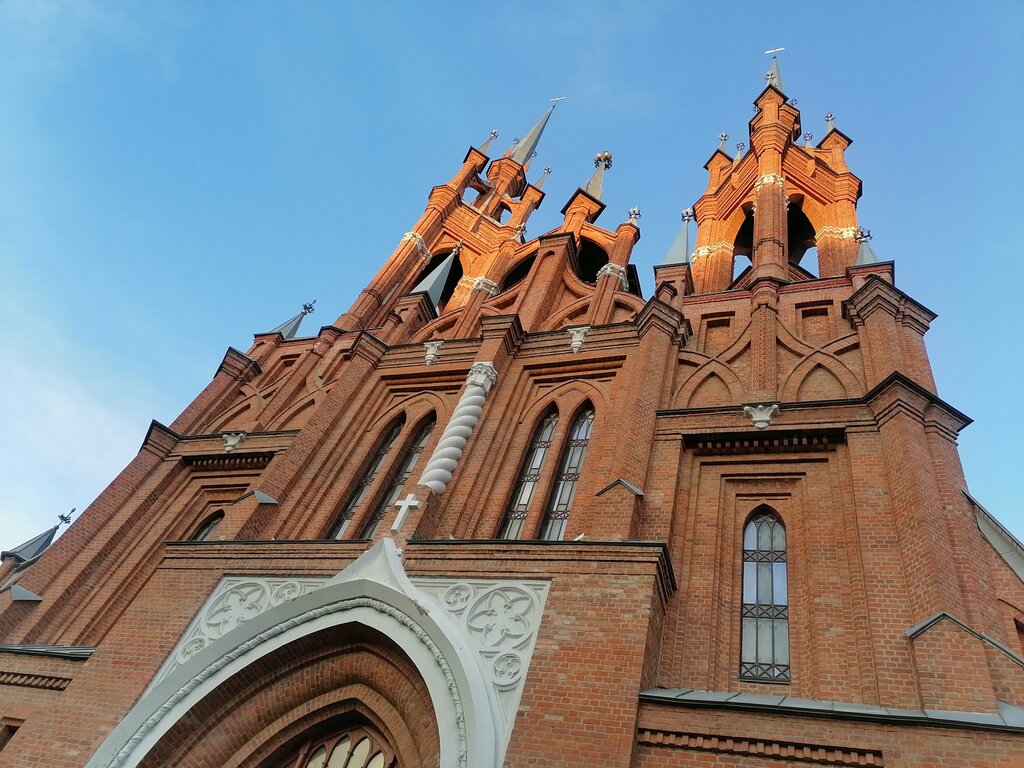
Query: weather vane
[[66, 519], [775, 50], [308, 308], [557, 99]]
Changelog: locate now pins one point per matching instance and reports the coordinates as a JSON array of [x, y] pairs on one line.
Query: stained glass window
[[556, 518], [529, 477], [365, 481], [399, 476], [764, 634]]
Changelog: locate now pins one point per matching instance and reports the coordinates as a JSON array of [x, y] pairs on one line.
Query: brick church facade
[[506, 511]]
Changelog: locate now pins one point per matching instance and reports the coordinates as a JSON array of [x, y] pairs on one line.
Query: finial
[[634, 215], [807, 139], [602, 162], [865, 254], [66, 519], [831, 120], [722, 138], [490, 137], [792, 102], [740, 147], [457, 248], [515, 141], [544, 174], [687, 215], [309, 307], [863, 235]]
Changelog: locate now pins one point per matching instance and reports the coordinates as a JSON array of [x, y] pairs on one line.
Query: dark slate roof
[[76, 652], [32, 548]]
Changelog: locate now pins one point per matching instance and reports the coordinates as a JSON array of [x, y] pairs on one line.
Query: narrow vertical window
[[366, 480], [557, 515], [399, 477], [765, 613], [529, 476]]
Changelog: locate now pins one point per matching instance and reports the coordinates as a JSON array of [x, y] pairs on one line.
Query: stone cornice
[[239, 366]]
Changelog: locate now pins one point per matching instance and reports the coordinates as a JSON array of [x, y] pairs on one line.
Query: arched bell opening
[[743, 245], [518, 273], [801, 245], [590, 260], [503, 213]]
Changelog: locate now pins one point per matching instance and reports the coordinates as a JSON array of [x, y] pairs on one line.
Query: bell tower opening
[[801, 244], [743, 245], [591, 258]]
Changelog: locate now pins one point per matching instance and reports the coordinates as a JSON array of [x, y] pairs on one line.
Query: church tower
[[505, 511]]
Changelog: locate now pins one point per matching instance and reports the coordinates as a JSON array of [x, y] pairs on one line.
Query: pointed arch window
[[399, 475], [529, 477], [764, 634], [556, 517], [358, 495], [354, 748], [208, 527]]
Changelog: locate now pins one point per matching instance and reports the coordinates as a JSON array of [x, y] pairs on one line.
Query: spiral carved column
[[438, 472]]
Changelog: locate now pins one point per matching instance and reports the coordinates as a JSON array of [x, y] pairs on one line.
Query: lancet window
[[354, 748], [399, 476], [556, 516], [209, 525], [764, 634], [358, 494], [529, 477]]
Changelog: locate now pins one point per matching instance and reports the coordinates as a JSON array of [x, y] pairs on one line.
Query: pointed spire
[[602, 162], [32, 548], [808, 137], [543, 176], [773, 76], [433, 283], [679, 252], [290, 327], [866, 254], [722, 138], [523, 151], [487, 144], [831, 120]]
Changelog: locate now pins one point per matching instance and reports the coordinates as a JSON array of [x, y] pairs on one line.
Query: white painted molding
[[577, 336], [615, 271], [761, 415], [232, 440], [432, 350]]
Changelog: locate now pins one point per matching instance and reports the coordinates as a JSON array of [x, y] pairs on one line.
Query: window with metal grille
[[764, 634], [399, 476], [556, 518], [366, 480], [529, 477]]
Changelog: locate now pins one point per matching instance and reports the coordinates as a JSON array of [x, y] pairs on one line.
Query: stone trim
[[26, 680], [761, 747], [72, 652]]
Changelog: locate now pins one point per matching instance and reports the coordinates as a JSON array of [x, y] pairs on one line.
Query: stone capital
[[616, 271], [482, 375]]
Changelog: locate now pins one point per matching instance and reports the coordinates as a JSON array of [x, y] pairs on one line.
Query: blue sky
[[175, 177]]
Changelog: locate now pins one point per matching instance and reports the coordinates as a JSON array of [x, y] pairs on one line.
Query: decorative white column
[[438, 472]]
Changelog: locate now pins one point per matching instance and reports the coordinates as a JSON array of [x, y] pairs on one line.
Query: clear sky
[[175, 177]]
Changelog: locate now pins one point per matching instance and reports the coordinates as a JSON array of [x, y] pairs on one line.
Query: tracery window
[[556, 517], [764, 633], [354, 748], [399, 476], [529, 477], [366, 480]]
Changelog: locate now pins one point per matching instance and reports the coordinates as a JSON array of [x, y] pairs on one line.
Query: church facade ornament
[[616, 271]]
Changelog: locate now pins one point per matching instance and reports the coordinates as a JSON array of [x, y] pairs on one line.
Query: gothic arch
[[568, 315], [435, 328], [415, 408], [791, 385], [294, 416], [373, 594], [711, 368], [560, 397], [243, 414]]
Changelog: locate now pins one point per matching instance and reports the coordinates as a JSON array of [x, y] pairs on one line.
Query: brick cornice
[[897, 394], [656, 314], [506, 327], [878, 295], [159, 440], [239, 366]]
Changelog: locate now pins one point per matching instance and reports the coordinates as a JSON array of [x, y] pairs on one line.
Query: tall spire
[[602, 162], [774, 77], [32, 548], [487, 144], [434, 282], [290, 327], [679, 252], [524, 150]]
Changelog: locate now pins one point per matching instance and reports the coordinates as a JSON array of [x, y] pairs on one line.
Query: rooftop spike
[[773, 76], [32, 548], [543, 176], [434, 282], [866, 254], [679, 251], [487, 144], [722, 138], [602, 162], [523, 151], [290, 327]]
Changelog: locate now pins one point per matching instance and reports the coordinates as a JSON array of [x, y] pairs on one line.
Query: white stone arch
[[374, 592]]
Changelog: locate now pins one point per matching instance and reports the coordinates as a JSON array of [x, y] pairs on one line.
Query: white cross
[[404, 505]]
